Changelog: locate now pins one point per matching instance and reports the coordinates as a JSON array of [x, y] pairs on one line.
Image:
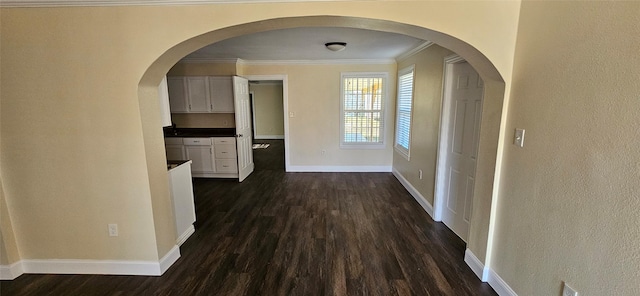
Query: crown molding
[[73, 3], [287, 62], [417, 49], [209, 61], [318, 62]]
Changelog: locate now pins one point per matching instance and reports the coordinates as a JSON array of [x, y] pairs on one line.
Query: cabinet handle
[[196, 141], [211, 150]]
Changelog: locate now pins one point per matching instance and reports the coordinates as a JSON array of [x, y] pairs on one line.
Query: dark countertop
[[199, 132], [175, 163]]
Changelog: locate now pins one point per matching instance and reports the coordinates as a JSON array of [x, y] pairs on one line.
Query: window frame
[[383, 106], [404, 152]]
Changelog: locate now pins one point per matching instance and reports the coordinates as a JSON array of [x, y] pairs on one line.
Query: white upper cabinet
[[201, 94], [221, 90], [198, 94], [177, 94]]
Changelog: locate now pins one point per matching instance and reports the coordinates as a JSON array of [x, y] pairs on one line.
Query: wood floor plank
[[280, 233]]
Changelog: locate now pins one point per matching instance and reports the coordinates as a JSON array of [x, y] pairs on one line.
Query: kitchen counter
[[199, 132], [172, 164]]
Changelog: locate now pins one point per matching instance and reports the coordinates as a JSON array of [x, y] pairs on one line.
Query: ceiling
[[307, 43]]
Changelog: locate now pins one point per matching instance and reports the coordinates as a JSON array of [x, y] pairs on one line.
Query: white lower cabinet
[[211, 157], [200, 151], [226, 155]]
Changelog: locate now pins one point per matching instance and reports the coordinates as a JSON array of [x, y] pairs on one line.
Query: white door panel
[[465, 99], [243, 127]]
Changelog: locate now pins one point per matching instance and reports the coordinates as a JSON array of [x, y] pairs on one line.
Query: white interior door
[[243, 126], [463, 90]]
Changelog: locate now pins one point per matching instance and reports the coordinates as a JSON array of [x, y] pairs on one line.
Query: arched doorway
[[494, 92]]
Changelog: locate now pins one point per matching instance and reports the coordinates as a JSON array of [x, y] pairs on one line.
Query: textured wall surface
[[425, 119], [568, 206], [77, 151]]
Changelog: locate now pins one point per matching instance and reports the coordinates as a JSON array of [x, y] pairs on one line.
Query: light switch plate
[[568, 291], [518, 137]]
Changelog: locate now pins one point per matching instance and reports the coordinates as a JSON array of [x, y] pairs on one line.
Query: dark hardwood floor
[[281, 233]]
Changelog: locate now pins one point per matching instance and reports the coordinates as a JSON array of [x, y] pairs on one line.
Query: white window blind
[[363, 99], [403, 116]]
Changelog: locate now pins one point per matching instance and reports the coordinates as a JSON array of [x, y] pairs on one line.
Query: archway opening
[[494, 92]]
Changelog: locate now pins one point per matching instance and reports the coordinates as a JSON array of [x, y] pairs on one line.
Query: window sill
[[362, 146], [403, 153]]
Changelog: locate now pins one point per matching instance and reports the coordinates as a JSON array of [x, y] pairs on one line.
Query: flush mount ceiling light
[[335, 46]]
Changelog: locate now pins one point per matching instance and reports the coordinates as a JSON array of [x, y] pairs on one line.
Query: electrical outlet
[[113, 229], [420, 174], [568, 291]]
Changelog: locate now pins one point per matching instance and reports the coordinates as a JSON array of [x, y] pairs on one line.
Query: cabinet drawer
[[226, 166], [226, 140], [197, 141], [225, 151], [173, 141]]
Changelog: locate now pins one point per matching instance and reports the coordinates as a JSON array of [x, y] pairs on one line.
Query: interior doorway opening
[[268, 124]]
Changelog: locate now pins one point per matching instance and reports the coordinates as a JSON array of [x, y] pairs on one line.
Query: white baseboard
[[170, 258], [499, 285], [81, 266], [184, 236], [488, 275], [10, 272], [269, 137], [340, 169], [414, 192], [476, 265]]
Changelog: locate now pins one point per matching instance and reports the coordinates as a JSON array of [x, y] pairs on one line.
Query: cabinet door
[[202, 157], [198, 94], [175, 152], [221, 91], [177, 94]]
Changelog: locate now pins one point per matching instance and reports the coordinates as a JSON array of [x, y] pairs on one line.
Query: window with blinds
[[362, 106], [403, 116]]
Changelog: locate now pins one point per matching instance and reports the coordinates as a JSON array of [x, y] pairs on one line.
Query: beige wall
[[568, 207], [203, 69], [204, 120], [78, 151], [9, 252], [425, 121], [314, 97], [268, 109]]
